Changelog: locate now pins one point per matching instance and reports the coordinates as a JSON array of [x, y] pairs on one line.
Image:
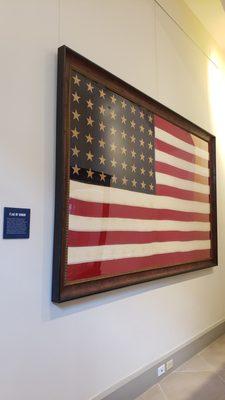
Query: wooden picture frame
[[69, 62]]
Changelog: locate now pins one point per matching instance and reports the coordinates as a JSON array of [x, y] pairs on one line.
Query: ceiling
[[211, 13]]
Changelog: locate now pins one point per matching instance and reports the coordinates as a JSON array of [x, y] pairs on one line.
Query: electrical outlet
[[161, 369], [169, 364]]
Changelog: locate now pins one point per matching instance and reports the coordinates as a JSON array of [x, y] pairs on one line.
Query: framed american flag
[[135, 186]]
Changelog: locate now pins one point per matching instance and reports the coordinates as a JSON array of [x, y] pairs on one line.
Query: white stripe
[[93, 224], [180, 144], [101, 253], [102, 194], [179, 163], [169, 180]]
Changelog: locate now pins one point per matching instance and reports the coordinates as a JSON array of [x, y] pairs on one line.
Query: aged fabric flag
[[139, 188]]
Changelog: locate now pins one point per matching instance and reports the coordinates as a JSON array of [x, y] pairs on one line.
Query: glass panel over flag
[[139, 188]]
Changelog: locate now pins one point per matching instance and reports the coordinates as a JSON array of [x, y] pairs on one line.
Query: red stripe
[[164, 190], [180, 173], [124, 237], [184, 155], [126, 265], [173, 129], [104, 210]]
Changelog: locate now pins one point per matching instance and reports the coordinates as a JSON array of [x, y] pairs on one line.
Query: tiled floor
[[200, 378]]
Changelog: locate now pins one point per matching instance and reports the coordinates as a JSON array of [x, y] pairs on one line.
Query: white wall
[[79, 349]]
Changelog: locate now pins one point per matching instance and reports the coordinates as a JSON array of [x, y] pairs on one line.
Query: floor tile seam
[[212, 372], [208, 363], [221, 379], [214, 375], [195, 371], [162, 391]]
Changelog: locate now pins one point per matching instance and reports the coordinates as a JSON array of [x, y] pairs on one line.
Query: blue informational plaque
[[16, 223]]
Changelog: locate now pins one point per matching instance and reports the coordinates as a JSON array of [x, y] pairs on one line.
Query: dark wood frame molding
[[68, 59]]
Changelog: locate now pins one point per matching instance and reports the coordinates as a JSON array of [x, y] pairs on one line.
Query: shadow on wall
[[216, 96], [85, 303], [216, 91]]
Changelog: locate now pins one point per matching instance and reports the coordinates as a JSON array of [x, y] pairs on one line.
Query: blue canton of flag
[[112, 139]]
